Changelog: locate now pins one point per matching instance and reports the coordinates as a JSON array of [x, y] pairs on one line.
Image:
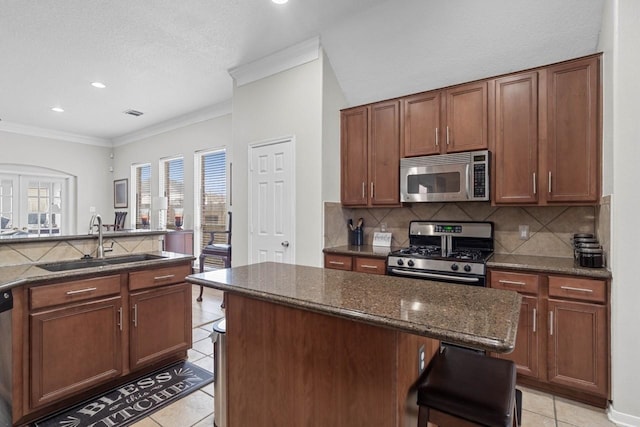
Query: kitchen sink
[[96, 262]]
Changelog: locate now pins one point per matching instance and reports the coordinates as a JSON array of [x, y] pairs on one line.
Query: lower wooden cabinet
[[73, 348], [161, 323], [356, 263], [85, 333], [562, 344]]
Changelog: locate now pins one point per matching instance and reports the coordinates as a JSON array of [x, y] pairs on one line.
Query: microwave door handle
[[467, 178]]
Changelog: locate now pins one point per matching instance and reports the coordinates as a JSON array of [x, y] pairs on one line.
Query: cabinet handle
[[363, 190], [165, 277], [120, 318], [135, 315], [551, 323], [535, 190], [436, 137], [372, 193], [336, 262], [511, 282], [373, 267], [81, 291], [549, 182], [535, 319], [570, 288], [447, 135]]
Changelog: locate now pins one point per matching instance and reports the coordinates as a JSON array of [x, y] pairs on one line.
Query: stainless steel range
[[446, 251]]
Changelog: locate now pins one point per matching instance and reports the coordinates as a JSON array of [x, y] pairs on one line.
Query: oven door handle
[[434, 276]]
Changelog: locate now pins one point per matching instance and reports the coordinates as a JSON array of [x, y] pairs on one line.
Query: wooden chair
[[220, 251], [118, 223]]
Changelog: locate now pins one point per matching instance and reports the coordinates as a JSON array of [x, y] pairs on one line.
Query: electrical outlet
[[92, 209], [524, 232], [421, 360]]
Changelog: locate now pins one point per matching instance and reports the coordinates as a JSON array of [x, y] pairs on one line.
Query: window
[[172, 187], [6, 204], [34, 204], [212, 197], [142, 181]]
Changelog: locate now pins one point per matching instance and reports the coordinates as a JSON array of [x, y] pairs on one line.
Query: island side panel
[[289, 366]]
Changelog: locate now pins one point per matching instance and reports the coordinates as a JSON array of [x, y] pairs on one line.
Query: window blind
[[173, 188], [213, 197], [143, 195]]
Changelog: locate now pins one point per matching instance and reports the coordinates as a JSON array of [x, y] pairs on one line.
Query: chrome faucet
[[92, 223]]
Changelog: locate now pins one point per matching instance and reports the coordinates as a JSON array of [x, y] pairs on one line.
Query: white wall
[[620, 35], [210, 134], [333, 101], [88, 163], [286, 104]]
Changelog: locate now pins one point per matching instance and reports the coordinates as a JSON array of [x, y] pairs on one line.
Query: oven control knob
[[467, 268], [410, 263], [400, 262], [454, 267]]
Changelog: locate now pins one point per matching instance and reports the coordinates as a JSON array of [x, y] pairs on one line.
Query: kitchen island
[[311, 346]]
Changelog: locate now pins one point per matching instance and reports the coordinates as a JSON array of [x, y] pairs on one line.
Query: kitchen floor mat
[[134, 400]]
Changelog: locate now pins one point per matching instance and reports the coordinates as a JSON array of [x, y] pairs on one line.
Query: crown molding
[[53, 134], [293, 56], [217, 110]]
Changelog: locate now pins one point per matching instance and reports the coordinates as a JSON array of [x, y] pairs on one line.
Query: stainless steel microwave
[[454, 177]]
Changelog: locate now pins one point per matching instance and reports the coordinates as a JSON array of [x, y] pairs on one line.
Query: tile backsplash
[[550, 227]]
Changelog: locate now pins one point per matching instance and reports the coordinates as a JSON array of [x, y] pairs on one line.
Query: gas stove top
[[449, 251]]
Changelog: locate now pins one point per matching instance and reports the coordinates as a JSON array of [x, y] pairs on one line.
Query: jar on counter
[[591, 257]]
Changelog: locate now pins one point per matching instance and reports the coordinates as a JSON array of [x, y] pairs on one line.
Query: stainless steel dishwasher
[[6, 304], [219, 373]]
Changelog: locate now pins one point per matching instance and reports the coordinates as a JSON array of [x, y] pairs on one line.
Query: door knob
[[285, 244]]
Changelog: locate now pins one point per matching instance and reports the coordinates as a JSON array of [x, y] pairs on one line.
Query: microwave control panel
[[479, 180]]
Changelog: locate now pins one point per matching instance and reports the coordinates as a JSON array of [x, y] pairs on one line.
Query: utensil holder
[[356, 237]]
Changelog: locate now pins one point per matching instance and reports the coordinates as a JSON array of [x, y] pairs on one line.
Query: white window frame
[[133, 194], [162, 190]]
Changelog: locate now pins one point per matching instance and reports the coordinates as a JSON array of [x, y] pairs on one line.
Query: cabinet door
[[353, 146], [384, 154], [161, 323], [421, 124], [516, 139], [466, 126], [578, 346], [525, 355], [74, 348], [179, 241], [572, 173]]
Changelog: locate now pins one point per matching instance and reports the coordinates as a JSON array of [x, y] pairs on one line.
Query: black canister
[[591, 257], [357, 237]]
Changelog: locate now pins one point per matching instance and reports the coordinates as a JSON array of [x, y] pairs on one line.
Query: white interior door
[[271, 202]]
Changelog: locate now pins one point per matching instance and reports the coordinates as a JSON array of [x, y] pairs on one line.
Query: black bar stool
[[464, 388]]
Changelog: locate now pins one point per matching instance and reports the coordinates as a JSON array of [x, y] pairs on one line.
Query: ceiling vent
[[134, 112]]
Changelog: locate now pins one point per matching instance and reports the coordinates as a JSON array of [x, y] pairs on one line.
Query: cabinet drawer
[[370, 265], [338, 262], [577, 288], [526, 283], [158, 276], [79, 290]]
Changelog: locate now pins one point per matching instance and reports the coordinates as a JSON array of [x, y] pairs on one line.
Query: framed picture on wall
[[120, 193]]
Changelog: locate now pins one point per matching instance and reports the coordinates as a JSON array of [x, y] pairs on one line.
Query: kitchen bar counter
[[472, 316], [542, 264], [23, 274]]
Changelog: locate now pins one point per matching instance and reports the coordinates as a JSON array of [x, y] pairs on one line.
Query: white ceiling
[[171, 58]]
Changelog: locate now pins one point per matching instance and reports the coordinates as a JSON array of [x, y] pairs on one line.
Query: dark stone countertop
[[19, 275], [540, 264], [467, 315]]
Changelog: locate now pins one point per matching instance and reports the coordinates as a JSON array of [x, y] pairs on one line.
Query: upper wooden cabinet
[[573, 141], [515, 150], [445, 121], [546, 141], [370, 155]]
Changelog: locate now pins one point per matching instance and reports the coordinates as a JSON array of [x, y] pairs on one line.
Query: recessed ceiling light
[[57, 109], [279, 1], [98, 85]]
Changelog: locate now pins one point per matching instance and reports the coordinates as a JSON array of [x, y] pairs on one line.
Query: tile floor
[[196, 409]]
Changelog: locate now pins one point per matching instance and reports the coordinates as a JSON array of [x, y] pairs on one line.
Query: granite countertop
[[20, 237], [467, 315], [19, 275], [518, 262]]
